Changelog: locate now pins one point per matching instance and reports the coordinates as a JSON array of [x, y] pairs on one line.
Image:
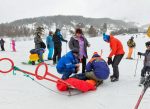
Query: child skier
[[2, 44], [68, 64], [13, 45], [146, 67]]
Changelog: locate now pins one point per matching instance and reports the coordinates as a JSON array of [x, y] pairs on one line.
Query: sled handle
[[11, 62], [49, 74]]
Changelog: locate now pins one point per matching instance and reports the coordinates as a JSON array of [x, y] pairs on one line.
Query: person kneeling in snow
[[97, 69], [68, 64], [36, 55]]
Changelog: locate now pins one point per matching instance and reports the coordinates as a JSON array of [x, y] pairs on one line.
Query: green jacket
[[131, 43]]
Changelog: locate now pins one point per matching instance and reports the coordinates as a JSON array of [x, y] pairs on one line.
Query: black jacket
[[57, 40]]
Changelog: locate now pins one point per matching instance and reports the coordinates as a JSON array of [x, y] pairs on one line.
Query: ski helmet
[[106, 37]]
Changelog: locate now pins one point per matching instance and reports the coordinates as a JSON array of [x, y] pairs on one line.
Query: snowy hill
[[20, 92]]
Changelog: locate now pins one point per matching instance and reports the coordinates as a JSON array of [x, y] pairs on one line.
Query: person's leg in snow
[[116, 61], [50, 54], [91, 75], [143, 74], [83, 64]]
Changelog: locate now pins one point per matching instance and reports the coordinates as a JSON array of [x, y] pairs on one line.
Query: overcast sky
[[131, 10]]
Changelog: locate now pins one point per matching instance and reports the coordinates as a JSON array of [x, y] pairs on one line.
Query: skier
[[2, 44], [80, 42], [117, 51], [50, 45], [13, 45], [146, 67], [131, 45], [57, 38], [68, 64]]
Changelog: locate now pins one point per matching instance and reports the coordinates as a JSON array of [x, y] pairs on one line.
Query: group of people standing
[[97, 68]]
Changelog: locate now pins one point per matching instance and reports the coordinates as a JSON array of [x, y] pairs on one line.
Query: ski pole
[[140, 98], [136, 66], [134, 52], [146, 85]]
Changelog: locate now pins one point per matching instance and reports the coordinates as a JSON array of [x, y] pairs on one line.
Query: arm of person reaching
[[88, 67], [62, 39]]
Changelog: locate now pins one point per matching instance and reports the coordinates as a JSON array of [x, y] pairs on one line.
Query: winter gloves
[[139, 53], [66, 41], [109, 61]]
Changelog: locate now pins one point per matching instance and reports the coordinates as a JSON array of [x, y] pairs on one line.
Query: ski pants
[[144, 70], [115, 64], [83, 60], [130, 52], [50, 53], [13, 48], [40, 53], [91, 75], [57, 53], [2, 48]]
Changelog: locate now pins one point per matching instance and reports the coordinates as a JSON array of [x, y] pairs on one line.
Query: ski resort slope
[[20, 92]]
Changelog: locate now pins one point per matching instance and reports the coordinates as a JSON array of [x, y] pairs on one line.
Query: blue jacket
[[67, 63], [49, 42], [98, 66]]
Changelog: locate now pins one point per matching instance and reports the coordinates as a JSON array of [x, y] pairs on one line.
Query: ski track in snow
[[20, 92]]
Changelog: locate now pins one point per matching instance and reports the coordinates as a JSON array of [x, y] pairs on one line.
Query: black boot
[[33, 62]]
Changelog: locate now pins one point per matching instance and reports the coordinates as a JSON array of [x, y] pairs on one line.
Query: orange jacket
[[116, 47]]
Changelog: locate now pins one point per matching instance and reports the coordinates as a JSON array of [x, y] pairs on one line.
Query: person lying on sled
[[96, 69], [68, 64]]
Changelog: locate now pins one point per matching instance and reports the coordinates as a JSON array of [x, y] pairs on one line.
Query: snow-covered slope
[[20, 92]]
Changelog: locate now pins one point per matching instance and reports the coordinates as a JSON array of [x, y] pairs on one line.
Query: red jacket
[[116, 47]]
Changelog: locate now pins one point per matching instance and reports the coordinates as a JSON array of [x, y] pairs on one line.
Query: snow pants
[[13, 48], [115, 64], [130, 53], [50, 53], [57, 53], [144, 70]]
